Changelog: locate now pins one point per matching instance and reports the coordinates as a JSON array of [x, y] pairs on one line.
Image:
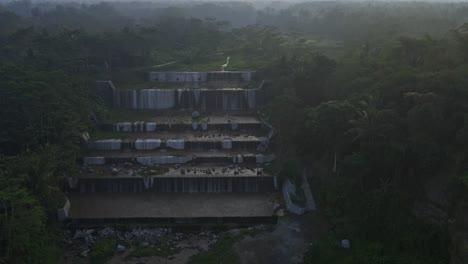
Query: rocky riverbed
[[135, 245]]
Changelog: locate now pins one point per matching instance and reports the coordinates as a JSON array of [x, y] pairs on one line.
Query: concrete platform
[[163, 152], [185, 117], [185, 171], [186, 135], [150, 205]]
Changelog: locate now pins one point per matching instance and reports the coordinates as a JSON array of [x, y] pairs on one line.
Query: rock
[[107, 232], [120, 248], [144, 244], [77, 234], [280, 212], [345, 243], [85, 253], [204, 125], [195, 114]]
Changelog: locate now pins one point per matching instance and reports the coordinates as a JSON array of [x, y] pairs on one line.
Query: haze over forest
[[322, 132]]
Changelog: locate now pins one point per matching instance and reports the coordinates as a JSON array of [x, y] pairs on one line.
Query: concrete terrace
[[161, 205], [183, 117], [185, 171], [165, 155], [187, 136]]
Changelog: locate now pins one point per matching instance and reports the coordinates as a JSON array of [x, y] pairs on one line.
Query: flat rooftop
[[178, 205]]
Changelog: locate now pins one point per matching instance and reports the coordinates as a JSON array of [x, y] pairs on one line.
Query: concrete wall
[[288, 188], [148, 160], [105, 90], [141, 126], [177, 184], [214, 99], [191, 223], [177, 144], [62, 213]]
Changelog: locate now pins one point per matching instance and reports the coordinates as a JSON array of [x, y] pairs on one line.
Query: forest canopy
[[373, 94]]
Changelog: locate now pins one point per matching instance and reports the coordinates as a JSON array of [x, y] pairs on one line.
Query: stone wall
[[62, 213], [215, 99], [176, 184]]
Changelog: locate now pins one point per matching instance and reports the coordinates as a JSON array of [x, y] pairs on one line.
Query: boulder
[[195, 114], [345, 243]]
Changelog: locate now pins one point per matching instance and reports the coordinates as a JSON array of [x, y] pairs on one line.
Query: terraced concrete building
[[191, 155]]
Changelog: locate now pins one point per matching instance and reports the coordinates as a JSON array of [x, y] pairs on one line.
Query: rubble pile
[[81, 241]]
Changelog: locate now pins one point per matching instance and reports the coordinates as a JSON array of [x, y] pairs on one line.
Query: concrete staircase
[[200, 161]]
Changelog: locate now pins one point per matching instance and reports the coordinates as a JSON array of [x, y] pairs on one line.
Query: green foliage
[[291, 170], [222, 252], [25, 237], [391, 119], [102, 251], [327, 252], [163, 250], [365, 252], [381, 120]]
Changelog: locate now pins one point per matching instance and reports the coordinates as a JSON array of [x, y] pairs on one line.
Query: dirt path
[[285, 244]]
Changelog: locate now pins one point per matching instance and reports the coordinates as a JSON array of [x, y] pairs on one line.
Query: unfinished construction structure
[[197, 158]]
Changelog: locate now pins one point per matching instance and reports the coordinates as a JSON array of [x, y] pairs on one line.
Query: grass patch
[[236, 62], [272, 168], [124, 115], [152, 170], [135, 86], [327, 252], [102, 251], [162, 251], [200, 119], [100, 134], [262, 132], [222, 252]]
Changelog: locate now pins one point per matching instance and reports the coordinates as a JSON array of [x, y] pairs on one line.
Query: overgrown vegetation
[[163, 250], [222, 252], [102, 251], [373, 95], [380, 126]]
